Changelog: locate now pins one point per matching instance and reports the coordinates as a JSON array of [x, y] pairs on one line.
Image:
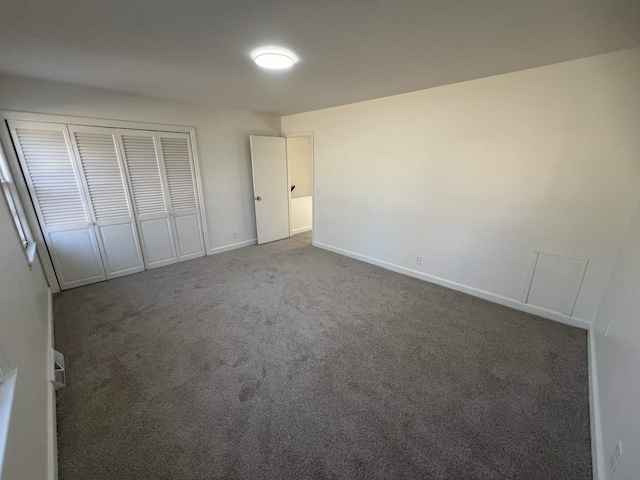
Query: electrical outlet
[[418, 259], [234, 234], [614, 459]]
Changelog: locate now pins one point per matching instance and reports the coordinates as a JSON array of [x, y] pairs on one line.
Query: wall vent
[[59, 374], [554, 281]]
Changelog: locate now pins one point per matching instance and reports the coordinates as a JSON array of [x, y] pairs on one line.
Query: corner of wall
[[52, 437], [597, 453]]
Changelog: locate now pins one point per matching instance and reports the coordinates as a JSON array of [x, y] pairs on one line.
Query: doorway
[[282, 185], [300, 166]]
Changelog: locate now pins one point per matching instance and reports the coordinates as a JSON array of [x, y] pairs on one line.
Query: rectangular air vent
[[59, 374], [554, 281]]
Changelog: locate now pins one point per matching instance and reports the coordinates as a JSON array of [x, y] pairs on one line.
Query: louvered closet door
[[110, 205], [177, 157], [149, 193], [54, 183]]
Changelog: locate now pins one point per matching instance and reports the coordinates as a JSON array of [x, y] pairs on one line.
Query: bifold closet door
[[109, 203], [55, 186], [149, 193], [177, 157]]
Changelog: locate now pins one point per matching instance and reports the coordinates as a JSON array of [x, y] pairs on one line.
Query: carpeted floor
[[284, 361]]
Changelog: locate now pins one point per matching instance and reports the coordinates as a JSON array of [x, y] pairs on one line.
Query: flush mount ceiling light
[[274, 58]]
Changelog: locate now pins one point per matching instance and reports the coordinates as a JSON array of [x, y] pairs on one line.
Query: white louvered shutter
[[178, 165], [97, 152], [177, 158], [144, 174], [54, 182], [149, 194], [53, 179]]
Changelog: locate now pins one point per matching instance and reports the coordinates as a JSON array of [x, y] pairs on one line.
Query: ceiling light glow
[[276, 59]]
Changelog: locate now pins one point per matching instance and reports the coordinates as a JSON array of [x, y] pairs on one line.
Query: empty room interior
[[364, 239]]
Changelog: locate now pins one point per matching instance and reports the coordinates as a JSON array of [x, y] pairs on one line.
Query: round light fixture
[[275, 59]]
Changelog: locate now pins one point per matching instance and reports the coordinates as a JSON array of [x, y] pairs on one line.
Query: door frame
[[21, 185], [313, 182]]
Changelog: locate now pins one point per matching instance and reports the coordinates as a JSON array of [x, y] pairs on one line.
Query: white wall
[[301, 214], [24, 341], [618, 357], [222, 141], [300, 164], [475, 176]]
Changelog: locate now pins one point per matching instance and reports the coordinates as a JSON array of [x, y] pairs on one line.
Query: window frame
[[21, 224]]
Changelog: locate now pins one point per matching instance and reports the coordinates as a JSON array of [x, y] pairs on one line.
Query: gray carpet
[[284, 361]]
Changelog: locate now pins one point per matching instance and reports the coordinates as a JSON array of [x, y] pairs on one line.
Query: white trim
[[27, 204], [301, 230], [23, 228], [232, 246], [93, 122], [286, 154], [52, 437], [199, 189], [597, 452], [492, 297]]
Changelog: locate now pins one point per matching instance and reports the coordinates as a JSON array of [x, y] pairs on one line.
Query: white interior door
[[270, 187], [110, 206], [177, 158], [54, 183], [150, 196]]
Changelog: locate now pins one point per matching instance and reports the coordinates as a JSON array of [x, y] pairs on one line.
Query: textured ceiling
[[350, 50]]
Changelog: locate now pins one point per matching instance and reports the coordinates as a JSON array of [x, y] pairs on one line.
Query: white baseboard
[[301, 230], [597, 452], [233, 246], [52, 436], [492, 297]]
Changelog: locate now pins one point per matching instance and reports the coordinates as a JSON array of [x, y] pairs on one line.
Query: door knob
[[257, 198]]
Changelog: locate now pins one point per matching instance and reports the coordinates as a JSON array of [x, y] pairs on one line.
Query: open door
[[270, 187]]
